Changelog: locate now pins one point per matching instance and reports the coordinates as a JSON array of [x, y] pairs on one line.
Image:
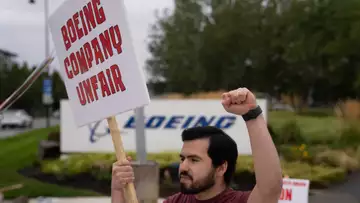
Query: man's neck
[[211, 192]]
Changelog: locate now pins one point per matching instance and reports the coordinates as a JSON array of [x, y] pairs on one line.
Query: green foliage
[[349, 136], [100, 167], [293, 47], [12, 77], [316, 112], [20, 152], [337, 158], [291, 133], [296, 153], [54, 136]]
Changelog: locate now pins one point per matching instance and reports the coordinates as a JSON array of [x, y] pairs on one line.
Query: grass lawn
[[21, 151], [311, 126]]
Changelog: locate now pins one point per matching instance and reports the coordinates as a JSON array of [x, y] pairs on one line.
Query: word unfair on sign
[[98, 63], [164, 122]]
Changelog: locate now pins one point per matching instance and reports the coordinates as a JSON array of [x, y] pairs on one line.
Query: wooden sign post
[[98, 65], [121, 156]]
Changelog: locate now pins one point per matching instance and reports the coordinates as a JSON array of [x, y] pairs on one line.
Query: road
[[38, 123]]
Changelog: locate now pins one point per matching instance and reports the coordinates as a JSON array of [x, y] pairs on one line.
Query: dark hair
[[221, 147]]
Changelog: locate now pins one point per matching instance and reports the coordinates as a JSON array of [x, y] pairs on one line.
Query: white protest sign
[[295, 191], [97, 59]]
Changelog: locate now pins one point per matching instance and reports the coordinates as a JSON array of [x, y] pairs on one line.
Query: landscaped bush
[[295, 153], [291, 133], [337, 158], [54, 136], [349, 137], [99, 166], [316, 112]]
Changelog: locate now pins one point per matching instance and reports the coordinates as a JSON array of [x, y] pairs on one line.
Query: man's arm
[[117, 196], [266, 163]]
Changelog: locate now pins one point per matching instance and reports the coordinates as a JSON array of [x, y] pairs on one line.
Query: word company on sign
[[97, 59], [164, 122], [99, 49]]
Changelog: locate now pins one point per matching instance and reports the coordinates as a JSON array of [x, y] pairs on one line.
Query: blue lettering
[[164, 122], [225, 122], [188, 121], [130, 123], [203, 122], [182, 122], [173, 121], [155, 122]]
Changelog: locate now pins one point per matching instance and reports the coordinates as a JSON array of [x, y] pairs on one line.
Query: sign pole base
[[129, 189]]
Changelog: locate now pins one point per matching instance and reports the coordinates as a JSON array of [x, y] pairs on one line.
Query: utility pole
[[47, 98]]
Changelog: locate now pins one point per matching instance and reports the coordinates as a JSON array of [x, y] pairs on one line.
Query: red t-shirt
[[227, 196]]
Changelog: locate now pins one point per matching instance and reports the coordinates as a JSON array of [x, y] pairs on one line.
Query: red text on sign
[[294, 183], [103, 84], [286, 194], [82, 22], [98, 49]]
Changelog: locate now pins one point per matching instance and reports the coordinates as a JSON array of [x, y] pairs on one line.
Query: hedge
[[99, 165]]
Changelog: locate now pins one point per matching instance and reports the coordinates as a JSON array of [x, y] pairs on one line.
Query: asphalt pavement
[[38, 123]]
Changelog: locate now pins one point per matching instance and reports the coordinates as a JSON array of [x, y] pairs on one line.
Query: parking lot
[[38, 123]]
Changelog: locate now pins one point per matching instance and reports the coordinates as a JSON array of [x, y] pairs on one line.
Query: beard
[[198, 186]]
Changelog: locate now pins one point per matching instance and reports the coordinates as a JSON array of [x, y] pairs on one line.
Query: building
[[6, 58]]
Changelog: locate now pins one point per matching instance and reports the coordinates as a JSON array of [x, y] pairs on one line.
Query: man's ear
[[220, 171]]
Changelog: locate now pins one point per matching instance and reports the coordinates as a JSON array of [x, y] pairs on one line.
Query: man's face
[[196, 171]]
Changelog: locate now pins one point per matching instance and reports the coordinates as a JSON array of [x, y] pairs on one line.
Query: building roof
[[7, 53]]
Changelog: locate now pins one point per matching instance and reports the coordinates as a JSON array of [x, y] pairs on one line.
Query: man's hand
[[239, 101], [122, 174]]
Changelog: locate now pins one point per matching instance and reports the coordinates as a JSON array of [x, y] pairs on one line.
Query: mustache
[[185, 174]]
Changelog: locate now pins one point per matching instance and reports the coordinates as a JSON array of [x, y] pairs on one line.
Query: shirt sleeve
[[243, 196]]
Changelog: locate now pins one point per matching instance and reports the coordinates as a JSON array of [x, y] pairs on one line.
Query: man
[[208, 159]]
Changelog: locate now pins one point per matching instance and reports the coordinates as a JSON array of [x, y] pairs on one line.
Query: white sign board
[[97, 60], [164, 122], [295, 191]]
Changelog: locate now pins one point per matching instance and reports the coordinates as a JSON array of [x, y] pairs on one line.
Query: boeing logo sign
[[166, 122]]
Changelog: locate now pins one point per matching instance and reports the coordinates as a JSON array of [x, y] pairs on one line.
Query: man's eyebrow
[[190, 156]]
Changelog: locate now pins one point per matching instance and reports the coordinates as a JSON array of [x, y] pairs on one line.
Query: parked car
[[16, 118]]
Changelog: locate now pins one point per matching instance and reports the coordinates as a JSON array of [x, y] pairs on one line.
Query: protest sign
[[294, 191], [98, 64], [97, 60]]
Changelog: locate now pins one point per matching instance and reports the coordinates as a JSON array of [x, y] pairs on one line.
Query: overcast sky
[[22, 26]]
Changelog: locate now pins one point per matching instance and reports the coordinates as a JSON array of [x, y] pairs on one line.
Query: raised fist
[[239, 101]]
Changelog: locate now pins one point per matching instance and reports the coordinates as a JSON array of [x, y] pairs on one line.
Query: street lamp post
[[47, 83]]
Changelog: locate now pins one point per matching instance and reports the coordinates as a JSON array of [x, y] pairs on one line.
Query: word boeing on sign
[[97, 59], [164, 122]]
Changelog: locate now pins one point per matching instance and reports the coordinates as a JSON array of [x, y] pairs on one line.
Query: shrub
[[337, 158], [349, 137], [99, 166], [274, 135], [296, 153], [316, 112], [54, 136], [291, 133], [320, 176]]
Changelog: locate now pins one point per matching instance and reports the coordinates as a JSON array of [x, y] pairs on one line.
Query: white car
[[16, 118]]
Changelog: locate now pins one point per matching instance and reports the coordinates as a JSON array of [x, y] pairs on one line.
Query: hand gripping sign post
[[98, 64]]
